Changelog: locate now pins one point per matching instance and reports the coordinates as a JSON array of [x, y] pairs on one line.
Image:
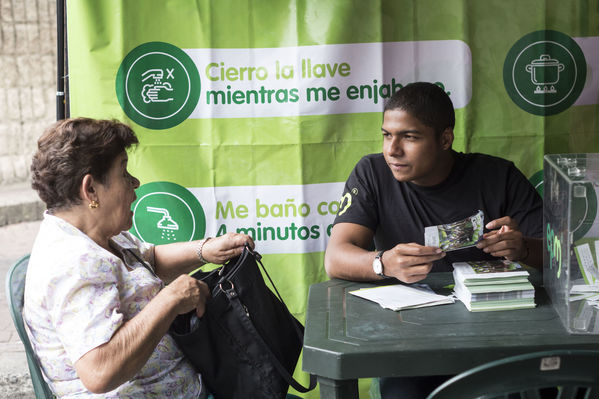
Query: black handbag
[[247, 343]]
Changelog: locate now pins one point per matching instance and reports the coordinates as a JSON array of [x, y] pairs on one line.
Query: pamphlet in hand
[[400, 297], [457, 235]]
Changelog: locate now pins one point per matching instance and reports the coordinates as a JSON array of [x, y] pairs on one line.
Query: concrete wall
[[27, 83]]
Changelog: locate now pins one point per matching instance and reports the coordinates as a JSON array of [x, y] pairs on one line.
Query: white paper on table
[[589, 296], [580, 288], [399, 296]]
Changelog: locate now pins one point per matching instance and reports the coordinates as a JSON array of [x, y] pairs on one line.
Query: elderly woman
[[96, 306]]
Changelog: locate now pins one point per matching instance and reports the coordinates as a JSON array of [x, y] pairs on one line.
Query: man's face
[[412, 150]]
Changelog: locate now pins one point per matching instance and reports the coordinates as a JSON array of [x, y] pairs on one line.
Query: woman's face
[[115, 197]]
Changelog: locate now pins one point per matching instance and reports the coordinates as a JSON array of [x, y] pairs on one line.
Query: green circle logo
[[544, 72], [166, 212], [158, 85]]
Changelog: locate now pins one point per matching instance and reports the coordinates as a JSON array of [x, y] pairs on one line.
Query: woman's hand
[[218, 250], [188, 294]]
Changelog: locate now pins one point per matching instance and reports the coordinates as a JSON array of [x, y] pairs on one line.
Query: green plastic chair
[[15, 290], [571, 374]]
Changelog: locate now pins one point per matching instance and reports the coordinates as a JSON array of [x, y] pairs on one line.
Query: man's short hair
[[427, 102]]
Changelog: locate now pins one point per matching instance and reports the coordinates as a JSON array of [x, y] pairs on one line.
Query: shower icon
[[167, 222]]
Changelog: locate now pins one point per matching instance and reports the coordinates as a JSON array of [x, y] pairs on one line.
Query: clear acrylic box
[[571, 243]]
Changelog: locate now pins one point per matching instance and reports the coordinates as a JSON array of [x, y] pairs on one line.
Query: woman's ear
[[447, 138], [87, 191]]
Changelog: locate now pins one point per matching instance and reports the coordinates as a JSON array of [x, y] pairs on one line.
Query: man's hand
[[504, 239], [410, 262]]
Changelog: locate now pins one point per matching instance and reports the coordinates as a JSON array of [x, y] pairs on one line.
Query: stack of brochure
[[493, 285]]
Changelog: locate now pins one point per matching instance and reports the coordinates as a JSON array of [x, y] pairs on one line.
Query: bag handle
[[284, 373], [258, 258], [143, 262]]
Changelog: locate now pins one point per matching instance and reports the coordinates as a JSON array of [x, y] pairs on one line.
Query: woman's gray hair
[[72, 148]]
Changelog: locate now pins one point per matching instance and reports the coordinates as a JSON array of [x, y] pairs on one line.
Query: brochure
[[466, 293], [508, 303], [477, 289], [586, 262], [457, 235], [500, 305], [489, 272], [590, 293], [399, 296]]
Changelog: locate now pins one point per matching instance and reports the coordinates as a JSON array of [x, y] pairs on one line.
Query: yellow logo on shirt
[[345, 202]]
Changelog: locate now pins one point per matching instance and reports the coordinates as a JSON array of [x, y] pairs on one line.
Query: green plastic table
[[348, 337]]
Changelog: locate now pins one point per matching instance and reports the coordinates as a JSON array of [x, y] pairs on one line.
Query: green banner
[[251, 115]]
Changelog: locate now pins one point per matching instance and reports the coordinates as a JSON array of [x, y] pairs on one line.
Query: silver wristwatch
[[377, 264]]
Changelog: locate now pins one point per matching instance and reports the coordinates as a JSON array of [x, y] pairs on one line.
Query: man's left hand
[[504, 239]]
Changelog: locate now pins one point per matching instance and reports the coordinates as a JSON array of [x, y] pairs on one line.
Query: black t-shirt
[[398, 212]]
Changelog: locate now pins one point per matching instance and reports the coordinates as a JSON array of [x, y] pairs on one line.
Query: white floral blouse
[[77, 295]]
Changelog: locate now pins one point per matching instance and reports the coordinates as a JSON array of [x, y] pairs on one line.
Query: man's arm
[[346, 257]]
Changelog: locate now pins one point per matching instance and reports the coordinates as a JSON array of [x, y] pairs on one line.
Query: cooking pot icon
[[545, 72]]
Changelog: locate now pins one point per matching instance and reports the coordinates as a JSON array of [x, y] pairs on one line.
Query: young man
[[419, 181]]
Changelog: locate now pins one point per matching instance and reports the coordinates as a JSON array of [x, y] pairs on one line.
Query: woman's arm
[[109, 365], [172, 260]]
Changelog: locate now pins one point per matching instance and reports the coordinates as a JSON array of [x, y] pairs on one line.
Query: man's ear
[[447, 138], [87, 191]]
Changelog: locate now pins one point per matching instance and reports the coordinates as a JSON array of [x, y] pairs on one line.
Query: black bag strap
[[300, 334], [143, 262]]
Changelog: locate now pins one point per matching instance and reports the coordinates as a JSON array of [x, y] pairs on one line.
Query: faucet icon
[[167, 222], [155, 74]]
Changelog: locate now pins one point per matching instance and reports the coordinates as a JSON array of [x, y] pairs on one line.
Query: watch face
[[377, 266]]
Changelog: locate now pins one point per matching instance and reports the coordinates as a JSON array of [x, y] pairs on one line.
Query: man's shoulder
[[372, 168], [478, 159], [372, 158], [371, 161]]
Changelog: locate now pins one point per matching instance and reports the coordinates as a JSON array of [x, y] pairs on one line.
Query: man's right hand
[[189, 293], [410, 262]]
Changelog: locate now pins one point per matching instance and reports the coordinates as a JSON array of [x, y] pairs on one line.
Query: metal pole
[[60, 97]]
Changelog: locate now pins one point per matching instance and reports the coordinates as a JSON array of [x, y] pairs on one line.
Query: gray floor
[[15, 241]]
